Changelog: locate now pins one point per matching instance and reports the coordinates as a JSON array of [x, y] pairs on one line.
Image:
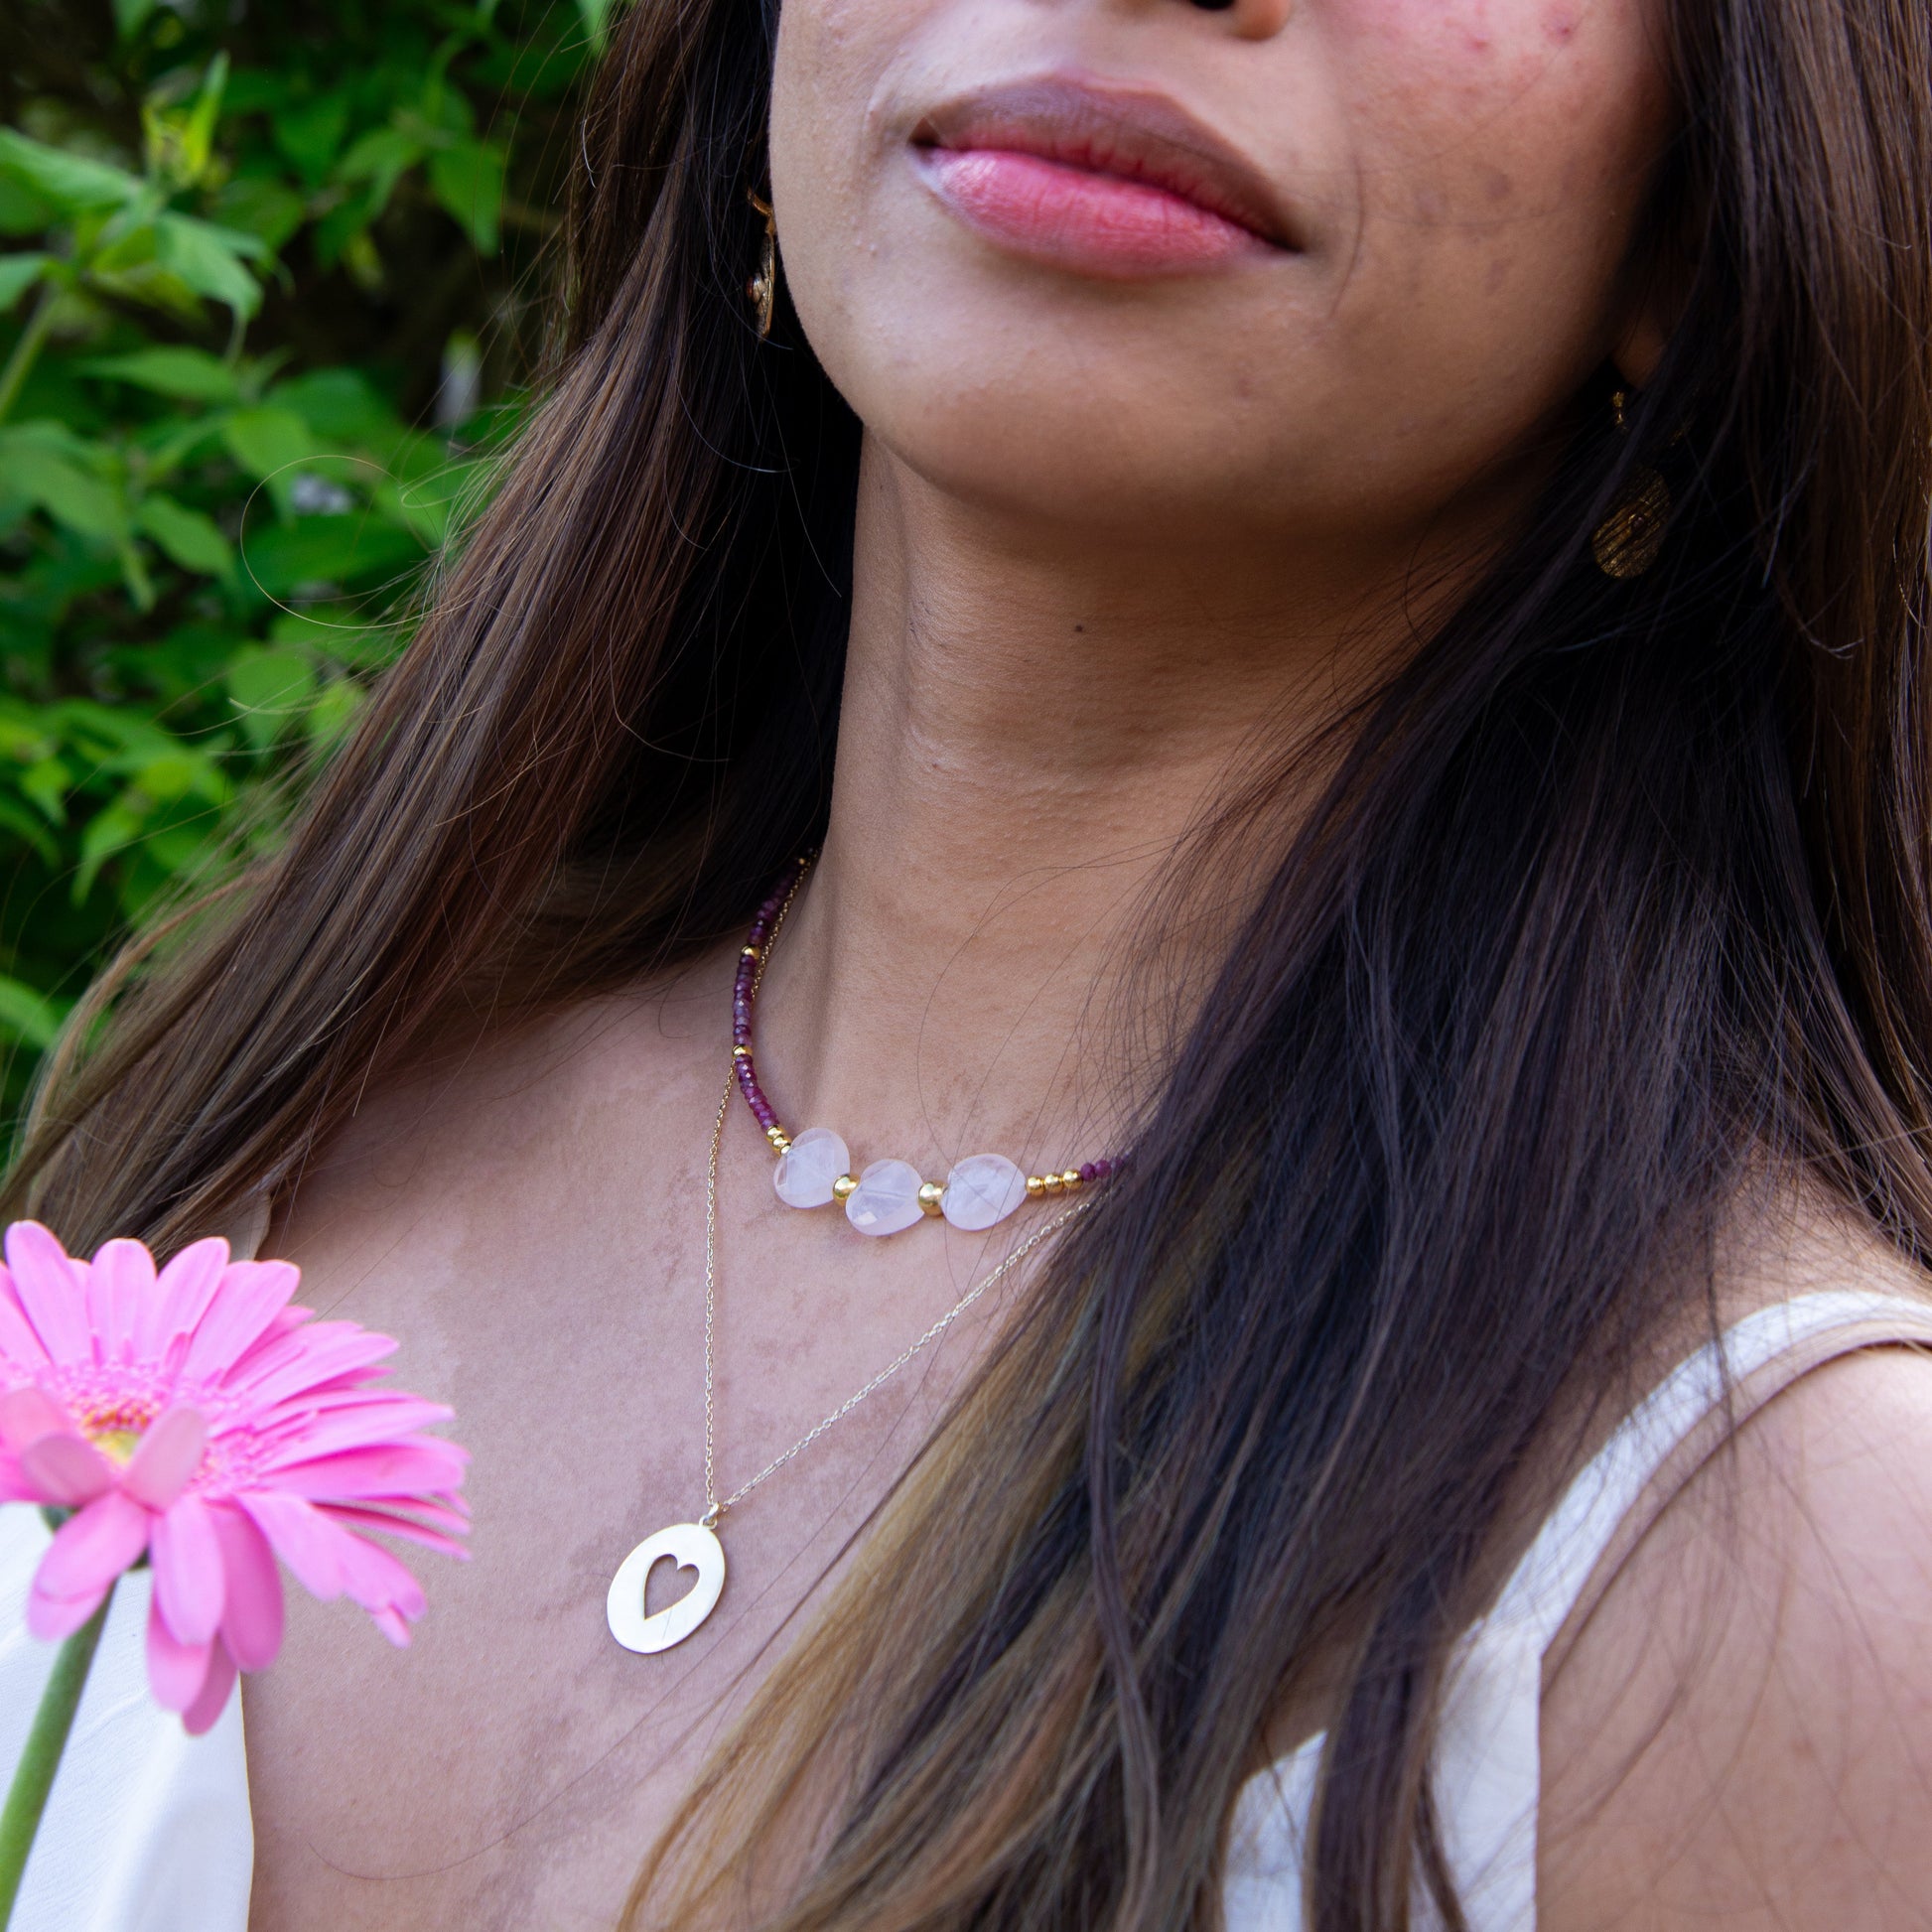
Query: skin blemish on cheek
[[1559, 25]]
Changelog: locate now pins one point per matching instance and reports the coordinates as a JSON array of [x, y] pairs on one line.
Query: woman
[[1339, 589]]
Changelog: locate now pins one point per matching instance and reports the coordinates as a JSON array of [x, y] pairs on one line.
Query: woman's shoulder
[[487, 1100], [1742, 1726]]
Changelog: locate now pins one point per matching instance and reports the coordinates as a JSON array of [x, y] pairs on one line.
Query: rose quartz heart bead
[[887, 1198], [981, 1192], [807, 1168]]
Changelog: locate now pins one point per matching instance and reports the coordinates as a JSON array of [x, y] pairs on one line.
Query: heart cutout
[[690, 1545], [663, 1583]]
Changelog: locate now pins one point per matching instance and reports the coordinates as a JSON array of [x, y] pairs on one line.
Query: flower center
[[117, 1427]]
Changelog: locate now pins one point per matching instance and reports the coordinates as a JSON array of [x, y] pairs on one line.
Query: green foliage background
[[266, 270]]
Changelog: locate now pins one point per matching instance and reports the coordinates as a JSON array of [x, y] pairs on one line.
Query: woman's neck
[[1029, 727]]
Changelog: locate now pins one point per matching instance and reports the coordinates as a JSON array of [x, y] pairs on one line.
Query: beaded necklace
[[815, 1168]]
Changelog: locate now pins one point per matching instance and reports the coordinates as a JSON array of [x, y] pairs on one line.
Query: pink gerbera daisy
[[197, 1419]]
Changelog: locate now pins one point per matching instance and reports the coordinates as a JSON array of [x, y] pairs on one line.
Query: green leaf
[[131, 15], [381, 157], [342, 406], [28, 1017], [180, 144], [597, 21], [211, 260], [106, 832], [22, 212], [258, 205], [424, 503], [189, 538], [340, 231], [352, 647], [192, 374], [311, 132], [169, 443], [286, 558], [72, 182], [18, 273], [72, 496], [337, 707], [45, 784], [269, 685], [199, 141], [174, 773], [19, 824], [467, 178], [268, 442]]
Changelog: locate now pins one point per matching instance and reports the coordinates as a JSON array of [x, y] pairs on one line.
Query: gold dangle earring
[[1628, 541], [763, 288]]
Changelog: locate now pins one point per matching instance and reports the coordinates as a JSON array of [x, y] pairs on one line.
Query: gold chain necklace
[[695, 1545]]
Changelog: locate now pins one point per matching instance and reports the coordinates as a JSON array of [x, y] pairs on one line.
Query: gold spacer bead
[[1051, 1184], [779, 1139], [844, 1188], [1036, 1187], [931, 1195], [1070, 1180], [750, 952], [741, 1053]]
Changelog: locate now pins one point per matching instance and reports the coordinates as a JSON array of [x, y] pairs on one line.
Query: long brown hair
[[1620, 889]]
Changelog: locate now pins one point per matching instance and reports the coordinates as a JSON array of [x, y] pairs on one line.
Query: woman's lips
[[1101, 179], [1101, 225]]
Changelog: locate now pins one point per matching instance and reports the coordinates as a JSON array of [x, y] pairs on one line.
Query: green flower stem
[[33, 338], [33, 1778]]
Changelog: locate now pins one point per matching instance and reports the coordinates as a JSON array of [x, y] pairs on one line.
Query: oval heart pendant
[[694, 1548]]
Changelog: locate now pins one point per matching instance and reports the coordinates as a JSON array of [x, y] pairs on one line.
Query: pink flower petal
[[368, 1421], [169, 1453], [283, 1339], [89, 1553], [328, 1349], [379, 1581], [19, 1344], [440, 1512], [201, 1715], [27, 1414], [250, 1295], [425, 1466], [393, 1626], [252, 1617], [52, 1292], [66, 1469], [120, 1284], [14, 1484], [189, 1585], [51, 1619], [389, 1525], [183, 1290], [303, 1536], [176, 1670]]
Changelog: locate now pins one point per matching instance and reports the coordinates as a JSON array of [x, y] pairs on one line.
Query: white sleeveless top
[[148, 1830]]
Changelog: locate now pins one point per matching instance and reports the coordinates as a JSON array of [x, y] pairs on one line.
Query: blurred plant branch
[[263, 319]]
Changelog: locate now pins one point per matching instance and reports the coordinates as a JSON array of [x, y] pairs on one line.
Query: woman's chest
[[513, 1767]]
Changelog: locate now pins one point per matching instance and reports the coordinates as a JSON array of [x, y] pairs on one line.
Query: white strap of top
[[1813, 1328]]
